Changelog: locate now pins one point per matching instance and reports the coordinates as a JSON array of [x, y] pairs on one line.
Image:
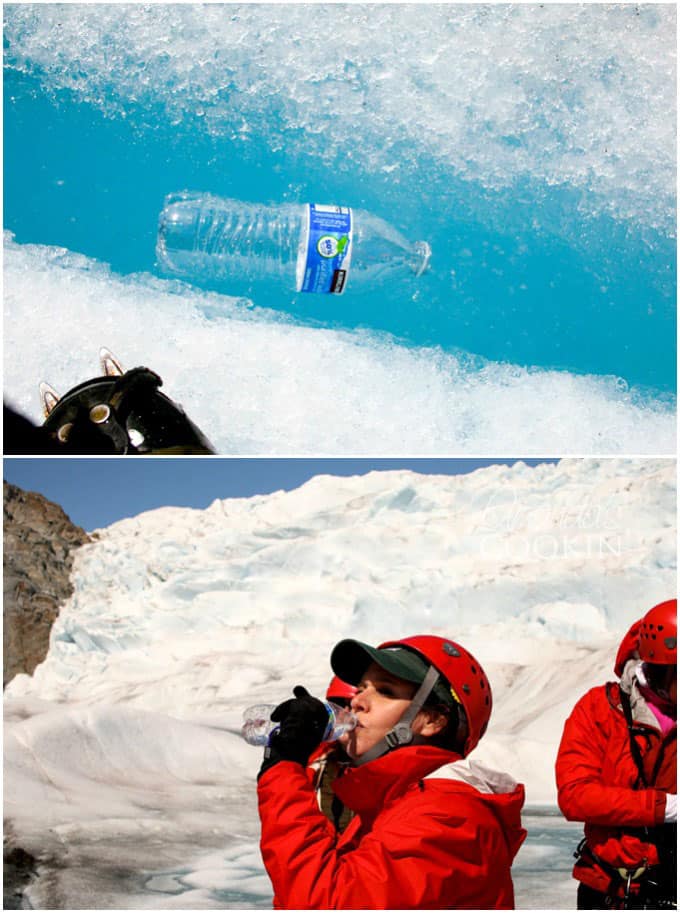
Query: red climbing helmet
[[465, 679], [659, 633], [628, 648], [339, 690], [441, 668]]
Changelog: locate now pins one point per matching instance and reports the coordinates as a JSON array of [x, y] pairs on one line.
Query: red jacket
[[414, 843], [596, 776]]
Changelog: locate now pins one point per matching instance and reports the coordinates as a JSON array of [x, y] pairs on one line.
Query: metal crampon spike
[[110, 364], [48, 397]]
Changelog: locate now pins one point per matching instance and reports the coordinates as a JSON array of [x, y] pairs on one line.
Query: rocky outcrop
[[38, 547], [19, 869]]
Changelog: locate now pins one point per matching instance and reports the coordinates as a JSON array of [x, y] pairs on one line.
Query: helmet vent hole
[[64, 432], [474, 671], [99, 413]]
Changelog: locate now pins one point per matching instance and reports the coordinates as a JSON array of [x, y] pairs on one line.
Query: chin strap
[[401, 733]]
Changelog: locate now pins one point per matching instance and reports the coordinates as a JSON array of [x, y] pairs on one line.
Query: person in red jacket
[[429, 831], [616, 771]]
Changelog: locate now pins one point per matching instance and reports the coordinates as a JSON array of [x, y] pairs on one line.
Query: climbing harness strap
[[632, 732], [618, 875]]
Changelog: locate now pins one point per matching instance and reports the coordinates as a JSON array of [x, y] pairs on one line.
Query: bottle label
[[327, 250]]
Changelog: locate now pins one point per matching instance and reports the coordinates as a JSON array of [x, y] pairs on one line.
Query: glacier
[[554, 93], [125, 775]]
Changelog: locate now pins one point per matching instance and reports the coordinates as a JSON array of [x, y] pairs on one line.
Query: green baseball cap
[[351, 658]]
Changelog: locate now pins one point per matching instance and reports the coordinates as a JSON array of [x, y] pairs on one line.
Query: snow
[[285, 370], [124, 771]]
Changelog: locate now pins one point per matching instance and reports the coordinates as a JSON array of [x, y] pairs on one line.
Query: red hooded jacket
[[414, 843], [596, 780]]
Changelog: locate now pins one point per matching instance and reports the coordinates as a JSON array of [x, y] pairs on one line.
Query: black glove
[[303, 720]]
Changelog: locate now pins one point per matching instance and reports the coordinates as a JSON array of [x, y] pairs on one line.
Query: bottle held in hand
[[257, 726]]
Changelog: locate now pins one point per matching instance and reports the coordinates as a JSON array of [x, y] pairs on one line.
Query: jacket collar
[[378, 783], [641, 711]]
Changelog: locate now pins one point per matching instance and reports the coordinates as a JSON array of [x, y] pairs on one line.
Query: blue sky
[[97, 492]]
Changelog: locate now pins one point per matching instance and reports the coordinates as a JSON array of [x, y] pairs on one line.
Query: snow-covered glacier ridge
[[224, 600]]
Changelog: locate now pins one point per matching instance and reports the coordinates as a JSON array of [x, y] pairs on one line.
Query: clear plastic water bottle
[[258, 726], [306, 247]]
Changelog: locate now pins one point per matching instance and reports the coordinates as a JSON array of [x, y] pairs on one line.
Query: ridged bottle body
[[201, 236]]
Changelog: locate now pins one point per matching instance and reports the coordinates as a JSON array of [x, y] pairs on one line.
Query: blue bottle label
[[325, 257]]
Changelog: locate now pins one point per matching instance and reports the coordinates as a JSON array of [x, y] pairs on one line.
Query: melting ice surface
[[532, 145], [124, 773]]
